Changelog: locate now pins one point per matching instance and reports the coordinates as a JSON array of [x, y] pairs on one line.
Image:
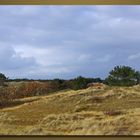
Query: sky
[[46, 42]]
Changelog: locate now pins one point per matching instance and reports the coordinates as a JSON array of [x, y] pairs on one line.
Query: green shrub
[[123, 76]]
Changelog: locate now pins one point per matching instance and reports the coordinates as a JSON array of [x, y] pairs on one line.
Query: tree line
[[119, 76]]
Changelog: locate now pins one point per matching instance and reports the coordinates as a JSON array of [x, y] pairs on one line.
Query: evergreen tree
[[123, 76], [2, 79]]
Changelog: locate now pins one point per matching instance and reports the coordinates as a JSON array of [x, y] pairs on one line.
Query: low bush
[[113, 113]]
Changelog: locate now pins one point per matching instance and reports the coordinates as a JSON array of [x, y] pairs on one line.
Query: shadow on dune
[[16, 103]]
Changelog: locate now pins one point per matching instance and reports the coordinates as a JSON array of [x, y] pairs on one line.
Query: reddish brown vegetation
[[113, 113], [26, 89], [96, 85]]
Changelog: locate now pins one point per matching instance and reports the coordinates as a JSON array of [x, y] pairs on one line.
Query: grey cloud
[[9, 59], [67, 41]]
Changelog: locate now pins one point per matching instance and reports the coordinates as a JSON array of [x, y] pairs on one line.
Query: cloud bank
[[67, 41]]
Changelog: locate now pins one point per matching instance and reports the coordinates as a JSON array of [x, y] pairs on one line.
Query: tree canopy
[[2, 79], [123, 76]]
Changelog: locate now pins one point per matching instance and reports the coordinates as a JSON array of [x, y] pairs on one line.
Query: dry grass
[[106, 111]]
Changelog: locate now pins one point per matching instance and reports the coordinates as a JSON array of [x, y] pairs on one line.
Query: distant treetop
[[123, 76]]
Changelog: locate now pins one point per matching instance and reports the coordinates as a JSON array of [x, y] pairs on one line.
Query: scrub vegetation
[[68, 107]]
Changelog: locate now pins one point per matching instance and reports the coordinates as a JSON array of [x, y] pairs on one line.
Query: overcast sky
[[68, 41]]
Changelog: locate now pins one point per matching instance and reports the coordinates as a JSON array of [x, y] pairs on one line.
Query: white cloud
[[10, 59]]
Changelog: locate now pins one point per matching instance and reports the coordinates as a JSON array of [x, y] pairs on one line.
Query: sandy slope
[[106, 111]]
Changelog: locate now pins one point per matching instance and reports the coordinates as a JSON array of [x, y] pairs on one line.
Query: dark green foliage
[[123, 76], [2, 79], [58, 84], [137, 76], [81, 82]]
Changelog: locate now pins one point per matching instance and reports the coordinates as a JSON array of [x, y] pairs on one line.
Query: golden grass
[[81, 112]]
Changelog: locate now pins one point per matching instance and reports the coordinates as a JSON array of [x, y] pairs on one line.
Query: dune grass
[[106, 111]]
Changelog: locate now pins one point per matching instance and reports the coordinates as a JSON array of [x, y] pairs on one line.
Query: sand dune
[[92, 111]]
